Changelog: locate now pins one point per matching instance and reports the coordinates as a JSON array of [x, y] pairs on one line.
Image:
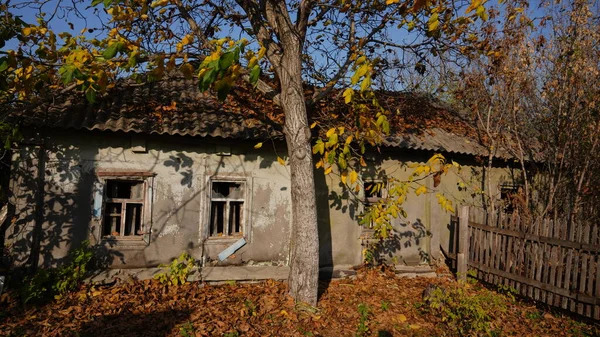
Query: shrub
[[362, 329], [177, 271], [48, 283], [467, 312]]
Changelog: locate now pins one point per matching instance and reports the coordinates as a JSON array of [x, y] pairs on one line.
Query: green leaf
[[90, 94], [67, 73], [96, 2], [226, 60], [254, 74], [107, 3], [3, 64], [111, 51], [208, 78], [223, 91], [132, 62]]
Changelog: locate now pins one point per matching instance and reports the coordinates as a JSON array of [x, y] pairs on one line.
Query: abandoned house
[[148, 172]]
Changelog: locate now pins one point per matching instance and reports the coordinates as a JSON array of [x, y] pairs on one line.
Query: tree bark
[[304, 265], [304, 268], [271, 19]]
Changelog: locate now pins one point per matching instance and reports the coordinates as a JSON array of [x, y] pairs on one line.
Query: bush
[[48, 283], [467, 312], [177, 272]]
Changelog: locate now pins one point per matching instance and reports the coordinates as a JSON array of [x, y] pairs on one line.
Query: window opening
[[509, 194], [374, 192], [226, 208], [123, 208]]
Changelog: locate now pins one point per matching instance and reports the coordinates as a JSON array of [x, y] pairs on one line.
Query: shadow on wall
[[324, 229], [405, 235], [51, 191], [191, 176]]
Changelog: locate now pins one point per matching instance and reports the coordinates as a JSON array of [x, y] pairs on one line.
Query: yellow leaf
[[353, 176], [187, 70], [362, 162], [312, 126], [341, 130], [349, 140], [474, 4], [421, 190], [328, 170], [187, 39], [283, 313], [330, 132], [319, 147], [159, 3], [344, 177], [366, 84], [401, 318], [348, 95], [258, 146], [389, 2], [26, 31], [261, 52], [319, 164], [415, 326], [281, 161], [434, 22]]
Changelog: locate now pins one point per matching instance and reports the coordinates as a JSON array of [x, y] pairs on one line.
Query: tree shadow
[[135, 324], [51, 206], [324, 230]]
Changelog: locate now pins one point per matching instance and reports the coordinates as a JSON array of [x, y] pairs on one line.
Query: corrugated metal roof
[[438, 140], [172, 108], [149, 109]]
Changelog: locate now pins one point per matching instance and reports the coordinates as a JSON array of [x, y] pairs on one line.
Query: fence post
[[462, 257]]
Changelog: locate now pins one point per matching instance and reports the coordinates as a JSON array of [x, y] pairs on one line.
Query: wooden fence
[[546, 261]]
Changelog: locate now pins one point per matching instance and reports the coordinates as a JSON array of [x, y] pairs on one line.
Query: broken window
[[123, 208], [510, 194], [226, 208], [374, 192]]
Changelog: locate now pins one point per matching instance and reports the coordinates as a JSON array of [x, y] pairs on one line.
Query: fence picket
[[553, 261]]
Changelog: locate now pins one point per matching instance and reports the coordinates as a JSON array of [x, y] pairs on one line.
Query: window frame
[[246, 213], [506, 194], [367, 202], [147, 180]]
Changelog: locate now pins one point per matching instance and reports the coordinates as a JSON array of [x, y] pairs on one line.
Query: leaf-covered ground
[[394, 307]]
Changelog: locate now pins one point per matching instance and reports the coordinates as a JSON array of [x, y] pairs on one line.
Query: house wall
[[427, 228], [181, 166], [179, 207]]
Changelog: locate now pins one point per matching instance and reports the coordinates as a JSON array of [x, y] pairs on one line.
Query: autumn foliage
[[390, 306]]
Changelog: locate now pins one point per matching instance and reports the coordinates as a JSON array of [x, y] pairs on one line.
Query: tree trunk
[[304, 264], [304, 269]]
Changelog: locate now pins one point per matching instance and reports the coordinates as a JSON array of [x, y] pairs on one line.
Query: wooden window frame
[[373, 200], [245, 217], [142, 237]]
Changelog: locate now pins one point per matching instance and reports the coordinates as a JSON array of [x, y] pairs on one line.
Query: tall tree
[[331, 44]]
